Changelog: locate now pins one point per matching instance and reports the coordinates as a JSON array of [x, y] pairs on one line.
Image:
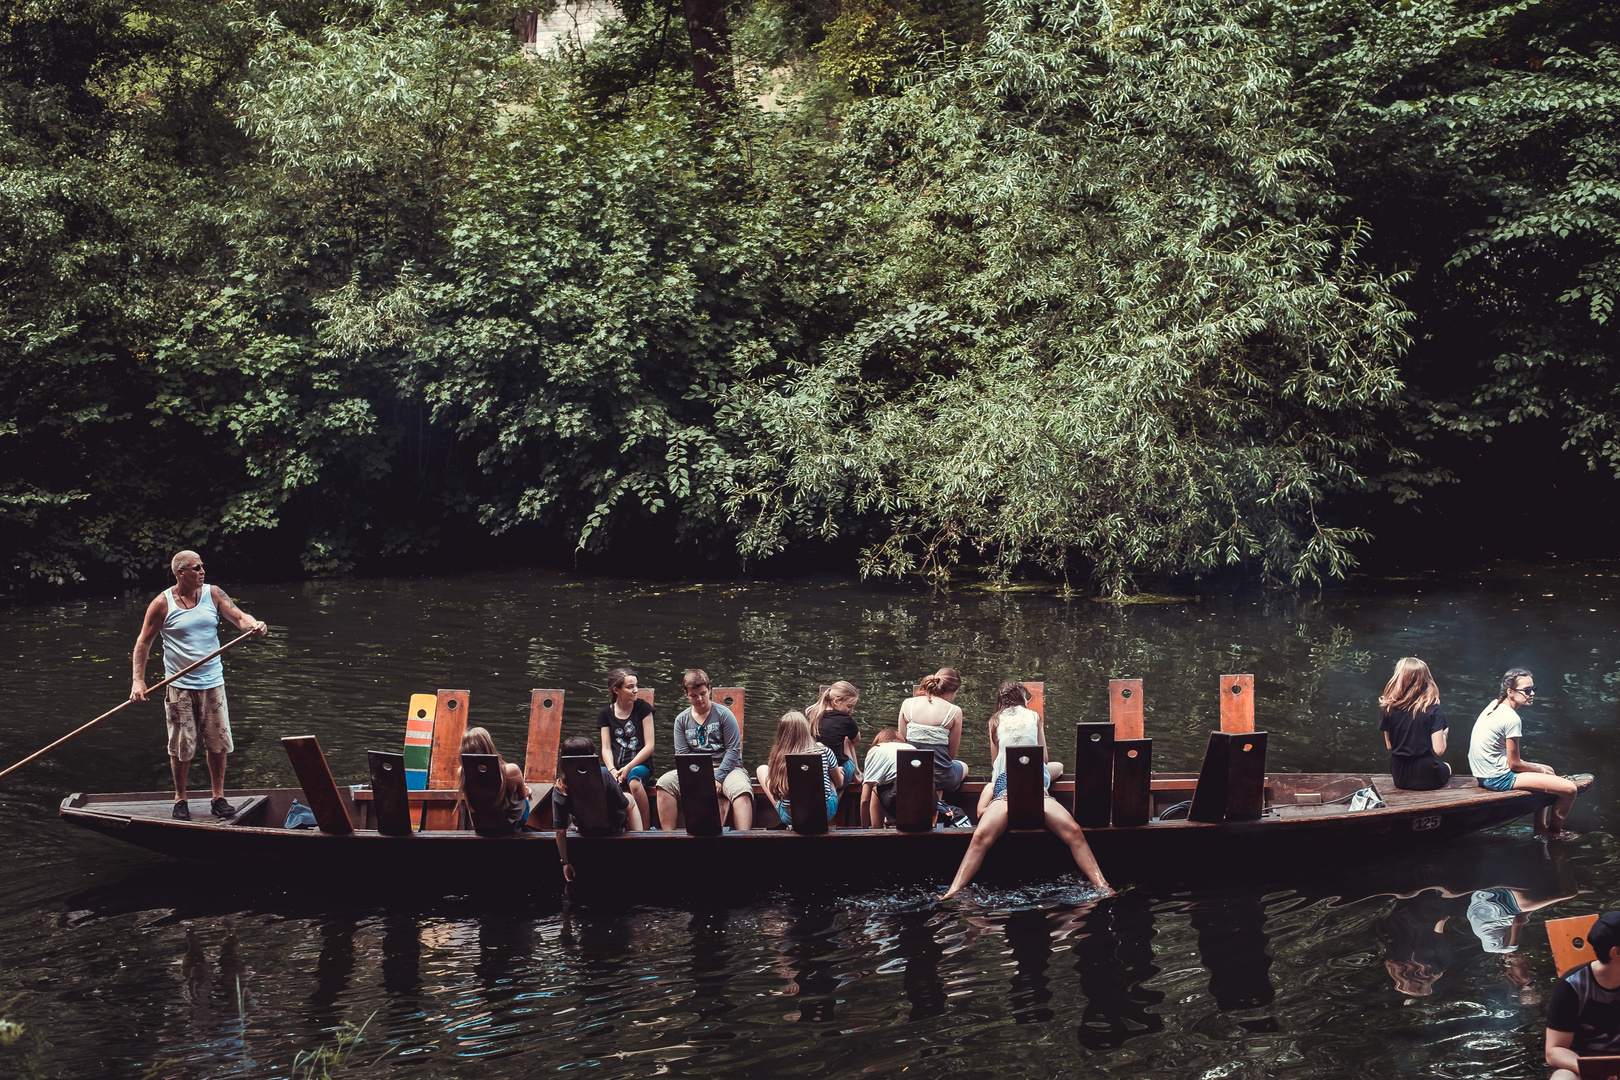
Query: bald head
[[183, 559]]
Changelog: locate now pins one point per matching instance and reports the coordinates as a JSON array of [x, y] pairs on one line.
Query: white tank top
[[1018, 726]]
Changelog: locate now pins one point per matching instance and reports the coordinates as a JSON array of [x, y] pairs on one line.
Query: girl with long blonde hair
[[513, 800], [794, 736], [1414, 727]]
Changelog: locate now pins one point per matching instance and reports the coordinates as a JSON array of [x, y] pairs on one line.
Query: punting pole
[[128, 702]]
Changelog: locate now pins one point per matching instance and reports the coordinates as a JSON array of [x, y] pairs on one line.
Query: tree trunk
[[711, 52]]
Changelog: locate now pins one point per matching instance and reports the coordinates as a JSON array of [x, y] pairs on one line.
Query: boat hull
[[1161, 850]]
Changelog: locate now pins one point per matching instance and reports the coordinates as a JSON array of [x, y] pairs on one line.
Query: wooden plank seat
[[1026, 791], [807, 786], [321, 793], [390, 795], [588, 795], [699, 803]]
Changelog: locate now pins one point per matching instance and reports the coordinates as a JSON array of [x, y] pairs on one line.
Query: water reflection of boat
[[1287, 834]]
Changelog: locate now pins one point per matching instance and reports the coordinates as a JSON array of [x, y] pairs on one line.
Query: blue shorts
[[782, 810], [642, 773], [1001, 784], [1498, 783], [849, 771]]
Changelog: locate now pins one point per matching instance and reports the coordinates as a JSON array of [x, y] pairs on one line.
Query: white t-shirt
[[879, 767], [1487, 748]]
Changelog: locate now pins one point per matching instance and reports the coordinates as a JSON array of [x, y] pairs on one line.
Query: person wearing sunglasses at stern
[[1493, 756]]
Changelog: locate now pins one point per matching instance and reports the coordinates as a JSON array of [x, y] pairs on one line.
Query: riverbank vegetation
[[1095, 291]]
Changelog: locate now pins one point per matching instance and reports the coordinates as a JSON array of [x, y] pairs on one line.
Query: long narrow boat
[[1286, 834], [1232, 817]]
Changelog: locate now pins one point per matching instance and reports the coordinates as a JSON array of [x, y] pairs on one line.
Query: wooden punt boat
[[1287, 834], [1239, 819]]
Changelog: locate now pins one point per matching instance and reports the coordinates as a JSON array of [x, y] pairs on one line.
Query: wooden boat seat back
[[1606, 1067], [320, 791], [1133, 782], [449, 725], [1232, 782], [1037, 697], [700, 804], [1567, 937], [914, 790], [484, 787], [1125, 708], [545, 732], [1237, 704], [807, 787], [390, 794], [419, 740], [1026, 794], [733, 698], [1093, 774], [588, 794]]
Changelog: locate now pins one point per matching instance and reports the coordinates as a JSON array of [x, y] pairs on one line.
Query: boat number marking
[[1423, 824]]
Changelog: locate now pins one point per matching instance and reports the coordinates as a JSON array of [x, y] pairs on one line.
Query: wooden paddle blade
[[390, 798], [320, 790], [1237, 704], [1125, 707]]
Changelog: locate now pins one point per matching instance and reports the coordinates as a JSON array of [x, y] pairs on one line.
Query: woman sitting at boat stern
[[793, 736], [1414, 727], [1013, 726], [1493, 755], [625, 813], [512, 800]]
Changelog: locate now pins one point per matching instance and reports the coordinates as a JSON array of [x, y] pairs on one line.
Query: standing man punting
[[187, 616]]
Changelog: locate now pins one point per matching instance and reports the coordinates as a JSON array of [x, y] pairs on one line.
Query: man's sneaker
[[221, 808], [181, 811]]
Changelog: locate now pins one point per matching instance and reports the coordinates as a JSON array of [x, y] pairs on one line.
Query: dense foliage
[[1053, 286]]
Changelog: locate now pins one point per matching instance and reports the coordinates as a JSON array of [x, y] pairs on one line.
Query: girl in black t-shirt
[[1414, 727], [627, 735], [832, 720]]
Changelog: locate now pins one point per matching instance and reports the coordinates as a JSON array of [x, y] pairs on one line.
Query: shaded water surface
[[120, 964]]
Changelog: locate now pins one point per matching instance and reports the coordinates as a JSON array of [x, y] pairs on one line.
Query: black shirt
[[618, 803], [1412, 760], [626, 734], [1581, 1005], [833, 729]]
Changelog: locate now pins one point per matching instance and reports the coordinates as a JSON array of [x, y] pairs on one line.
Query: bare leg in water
[[994, 822]]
